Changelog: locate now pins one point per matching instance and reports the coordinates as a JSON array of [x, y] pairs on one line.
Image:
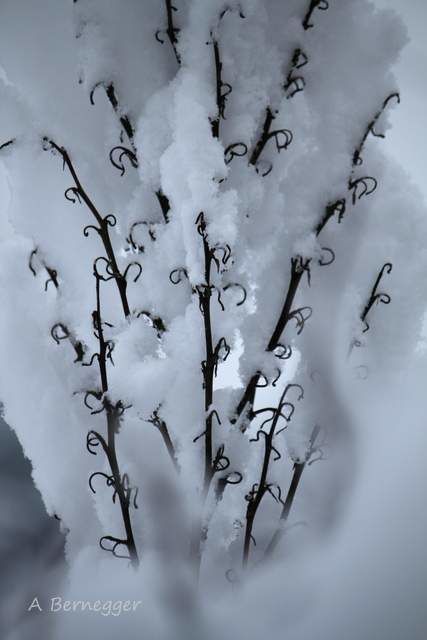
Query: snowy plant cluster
[[204, 256]]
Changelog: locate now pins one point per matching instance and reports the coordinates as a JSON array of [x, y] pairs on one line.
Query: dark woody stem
[[113, 425], [205, 295], [331, 210], [103, 229], [172, 31], [289, 501]]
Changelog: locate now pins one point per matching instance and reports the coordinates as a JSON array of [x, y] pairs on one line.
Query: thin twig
[[287, 506]]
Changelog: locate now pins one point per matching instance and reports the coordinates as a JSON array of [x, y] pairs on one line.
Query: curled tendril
[[97, 322], [94, 88], [322, 5], [321, 455], [316, 449], [201, 225], [123, 152], [235, 477], [109, 479], [294, 385], [221, 462], [93, 394], [221, 353], [301, 316], [176, 276], [277, 453], [291, 412], [299, 59], [53, 278], [199, 436], [260, 432], [120, 408], [393, 96], [56, 336], [264, 168], [171, 32], [276, 379], [109, 350], [30, 262], [214, 414], [264, 381], [283, 351], [295, 83], [93, 440], [301, 265], [376, 297], [157, 35], [278, 497], [128, 490], [108, 269], [75, 197], [237, 285], [219, 298], [90, 227], [325, 262], [333, 208], [368, 185], [238, 8], [282, 138], [210, 416], [357, 156], [116, 543], [204, 291], [238, 149], [130, 265], [130, 239], [382, 297], [226, 89], [294, 86], [110, 220], [225, 250]]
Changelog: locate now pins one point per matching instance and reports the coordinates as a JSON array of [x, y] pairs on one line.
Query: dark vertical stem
[[118, 276], [103, 228], [218, 83], [256, 495], [293, 487], [172, 30], [259, 147], [296, 275], [124, 119], [323, 5], [256, 500], [208, 373], [112, 428], [164, 432], [248, 396], [164, 204]]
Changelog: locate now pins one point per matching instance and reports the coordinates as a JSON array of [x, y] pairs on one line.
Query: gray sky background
[[407, 141]]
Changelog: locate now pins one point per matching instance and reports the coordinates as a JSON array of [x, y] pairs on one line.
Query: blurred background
[[32, 546]]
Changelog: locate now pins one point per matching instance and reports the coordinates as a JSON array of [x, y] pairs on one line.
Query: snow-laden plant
[[181, 332]]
